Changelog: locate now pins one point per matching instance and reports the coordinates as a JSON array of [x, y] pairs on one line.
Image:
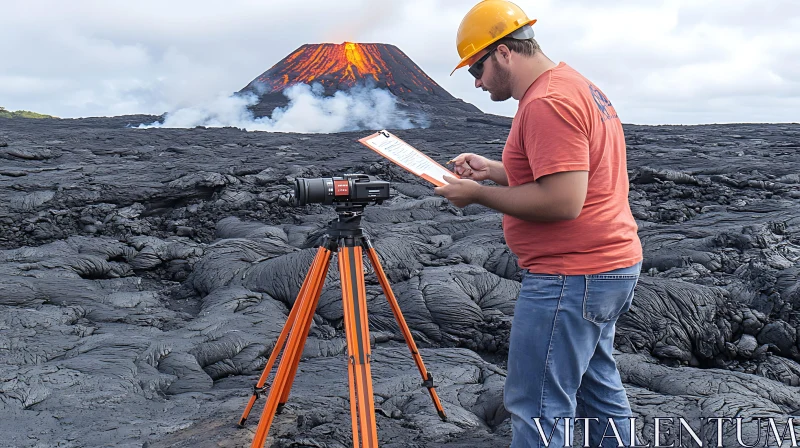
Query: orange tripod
[[346, 236]]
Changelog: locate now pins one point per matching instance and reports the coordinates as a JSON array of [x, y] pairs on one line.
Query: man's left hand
[[461, 192]]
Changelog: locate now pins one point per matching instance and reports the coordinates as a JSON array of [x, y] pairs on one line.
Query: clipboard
[[407, 157]]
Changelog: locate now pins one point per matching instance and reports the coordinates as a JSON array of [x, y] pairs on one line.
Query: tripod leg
[[279, 344], [427, 378], [294, 344], [304, 335], [362, 404]]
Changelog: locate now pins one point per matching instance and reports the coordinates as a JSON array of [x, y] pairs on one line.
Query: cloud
[[673, 61], [308, 111]]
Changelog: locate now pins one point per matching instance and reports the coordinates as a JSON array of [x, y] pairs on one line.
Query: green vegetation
[[21, 114]]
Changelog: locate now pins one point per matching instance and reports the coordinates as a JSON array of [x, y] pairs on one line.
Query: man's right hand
[[471, 166]]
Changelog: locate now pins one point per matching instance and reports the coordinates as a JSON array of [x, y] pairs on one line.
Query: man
[[562, 185]]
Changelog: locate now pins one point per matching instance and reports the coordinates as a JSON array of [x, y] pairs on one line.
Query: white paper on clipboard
[[407, 157]]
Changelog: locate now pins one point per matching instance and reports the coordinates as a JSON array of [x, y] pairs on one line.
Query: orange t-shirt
[[565, 123]]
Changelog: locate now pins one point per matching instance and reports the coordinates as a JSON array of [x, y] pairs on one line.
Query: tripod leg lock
[[429, 382], [257, 391]]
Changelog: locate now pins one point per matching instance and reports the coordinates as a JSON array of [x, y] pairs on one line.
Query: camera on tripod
[[350, 195], [357, 189]]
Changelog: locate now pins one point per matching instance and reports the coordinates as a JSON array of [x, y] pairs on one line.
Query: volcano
[[341, 67]]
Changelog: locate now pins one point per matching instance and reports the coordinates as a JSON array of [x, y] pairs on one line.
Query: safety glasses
[[476, 69]]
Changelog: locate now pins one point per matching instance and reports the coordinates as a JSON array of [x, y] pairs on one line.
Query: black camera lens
[[310, 191]]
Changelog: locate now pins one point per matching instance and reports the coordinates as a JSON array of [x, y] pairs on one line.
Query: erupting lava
[[342, 66]]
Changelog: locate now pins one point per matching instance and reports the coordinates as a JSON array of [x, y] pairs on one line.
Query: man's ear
[[503, 52]]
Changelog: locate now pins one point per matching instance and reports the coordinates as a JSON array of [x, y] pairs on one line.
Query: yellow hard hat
[[486, 23]]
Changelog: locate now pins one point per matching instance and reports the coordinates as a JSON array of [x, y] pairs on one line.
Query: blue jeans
[[562, 339]]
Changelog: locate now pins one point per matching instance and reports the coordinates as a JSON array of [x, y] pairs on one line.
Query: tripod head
[[348, 223]]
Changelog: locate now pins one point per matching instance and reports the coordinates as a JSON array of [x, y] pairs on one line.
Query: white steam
[[308, 111]]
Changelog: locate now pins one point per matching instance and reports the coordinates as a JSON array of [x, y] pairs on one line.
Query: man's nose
[[478, 83]]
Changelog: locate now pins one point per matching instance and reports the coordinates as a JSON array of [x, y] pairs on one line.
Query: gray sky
[[659, 62]]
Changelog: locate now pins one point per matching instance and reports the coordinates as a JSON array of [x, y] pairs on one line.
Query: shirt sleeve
[[554, 138]]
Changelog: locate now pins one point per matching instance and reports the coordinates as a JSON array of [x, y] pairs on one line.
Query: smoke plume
[[308, 111]]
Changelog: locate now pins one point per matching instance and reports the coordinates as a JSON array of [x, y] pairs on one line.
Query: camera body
[[355, 189]]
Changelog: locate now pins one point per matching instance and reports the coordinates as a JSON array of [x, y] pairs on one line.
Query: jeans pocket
[[540, 287], [607, 296]]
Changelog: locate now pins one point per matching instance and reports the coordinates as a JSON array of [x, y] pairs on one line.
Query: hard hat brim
[[466, 58]]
